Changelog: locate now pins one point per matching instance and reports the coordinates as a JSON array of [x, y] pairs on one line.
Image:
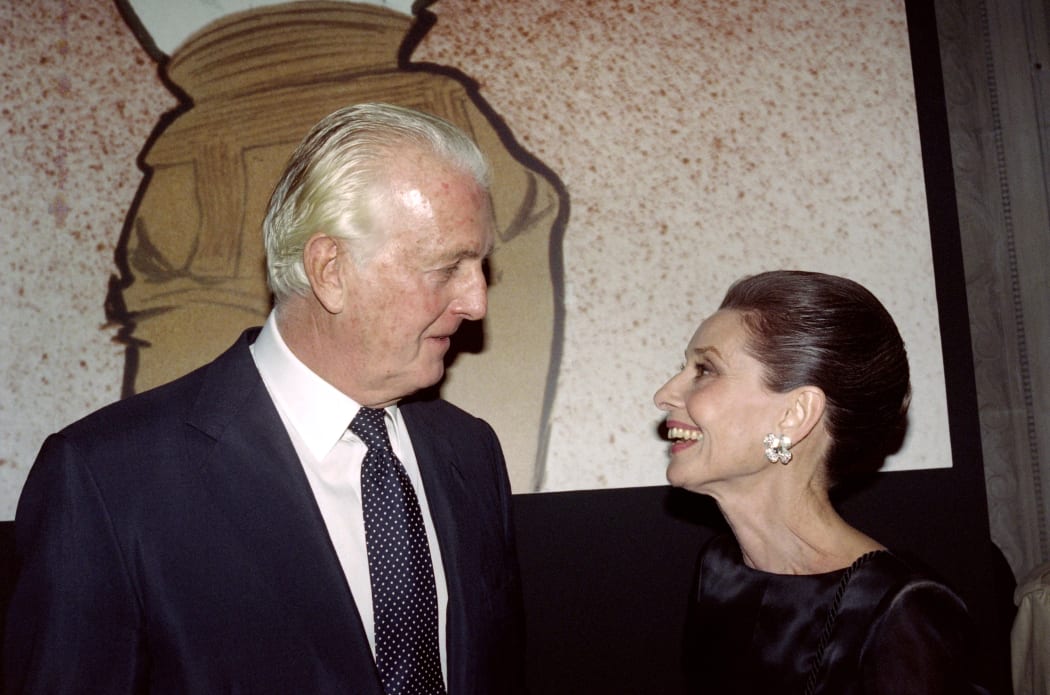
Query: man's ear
[[805, 410], [323, 262]]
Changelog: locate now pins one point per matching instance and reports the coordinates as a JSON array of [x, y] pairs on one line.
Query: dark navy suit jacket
[[170, 543]]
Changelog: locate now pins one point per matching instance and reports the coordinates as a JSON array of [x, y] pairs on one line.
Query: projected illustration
[[252, 84]]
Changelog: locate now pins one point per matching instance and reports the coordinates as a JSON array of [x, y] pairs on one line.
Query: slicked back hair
[[331, 182], [830, 332]]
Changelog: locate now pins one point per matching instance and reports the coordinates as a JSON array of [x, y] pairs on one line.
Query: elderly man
[[280, 521]]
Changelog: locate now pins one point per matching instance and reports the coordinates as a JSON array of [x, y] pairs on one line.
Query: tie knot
[[369, 424]]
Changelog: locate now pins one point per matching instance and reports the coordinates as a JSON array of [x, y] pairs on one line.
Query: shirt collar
[[318, 411]]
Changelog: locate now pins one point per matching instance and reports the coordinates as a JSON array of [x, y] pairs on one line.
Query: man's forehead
[[451, 249]]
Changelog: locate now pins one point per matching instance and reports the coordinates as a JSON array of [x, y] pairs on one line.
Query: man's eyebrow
[[464, 253]]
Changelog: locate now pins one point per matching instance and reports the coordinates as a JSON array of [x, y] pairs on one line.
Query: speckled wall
[[698, 141]]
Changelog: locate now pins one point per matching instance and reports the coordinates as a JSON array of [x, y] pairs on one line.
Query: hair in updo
[[829, 332]]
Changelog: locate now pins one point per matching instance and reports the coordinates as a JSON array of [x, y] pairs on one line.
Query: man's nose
[[473, 302]]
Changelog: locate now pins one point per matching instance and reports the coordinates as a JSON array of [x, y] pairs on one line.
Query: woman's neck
[[798, 533]]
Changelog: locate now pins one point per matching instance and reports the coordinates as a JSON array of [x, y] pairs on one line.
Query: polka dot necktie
[[404, 599]]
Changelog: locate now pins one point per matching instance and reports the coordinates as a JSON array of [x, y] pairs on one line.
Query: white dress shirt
[[317, 417]]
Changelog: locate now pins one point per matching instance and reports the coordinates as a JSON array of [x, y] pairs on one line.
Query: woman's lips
[[682, 436]]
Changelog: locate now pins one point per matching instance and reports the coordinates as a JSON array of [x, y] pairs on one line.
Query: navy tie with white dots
[[404, 598]]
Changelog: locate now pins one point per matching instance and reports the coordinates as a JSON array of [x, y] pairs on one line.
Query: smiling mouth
[[681, 433], [683, 438]]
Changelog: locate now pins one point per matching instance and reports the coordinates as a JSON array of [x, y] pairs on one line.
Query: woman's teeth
[[682, 433]]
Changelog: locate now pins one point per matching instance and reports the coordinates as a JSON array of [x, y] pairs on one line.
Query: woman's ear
[[324, 263], [805, 410]]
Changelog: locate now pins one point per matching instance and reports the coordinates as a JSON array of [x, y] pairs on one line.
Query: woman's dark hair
[[826, 331]]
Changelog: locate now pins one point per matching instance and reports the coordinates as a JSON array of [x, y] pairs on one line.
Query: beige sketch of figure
[[192, 266]]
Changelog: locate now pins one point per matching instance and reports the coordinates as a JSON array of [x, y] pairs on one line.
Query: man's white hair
[[330, 182]]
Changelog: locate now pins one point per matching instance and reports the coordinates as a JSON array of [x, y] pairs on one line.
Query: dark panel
[[607, 576], [8, 574]]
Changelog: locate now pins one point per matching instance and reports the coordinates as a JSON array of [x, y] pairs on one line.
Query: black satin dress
[[876, 628]]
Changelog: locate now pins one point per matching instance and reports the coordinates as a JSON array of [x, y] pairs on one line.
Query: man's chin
[[431, 376]]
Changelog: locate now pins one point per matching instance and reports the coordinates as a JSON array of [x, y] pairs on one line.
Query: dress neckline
[[830, 574]]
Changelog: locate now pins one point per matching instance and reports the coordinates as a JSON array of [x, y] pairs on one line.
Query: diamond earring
[[778, 448]]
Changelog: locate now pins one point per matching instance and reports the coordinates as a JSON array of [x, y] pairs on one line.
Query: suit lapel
[[252, 473], [450, 508]]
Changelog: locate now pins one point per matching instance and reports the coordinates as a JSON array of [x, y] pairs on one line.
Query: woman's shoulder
[[919, 625], [904, 581], [914, 598]]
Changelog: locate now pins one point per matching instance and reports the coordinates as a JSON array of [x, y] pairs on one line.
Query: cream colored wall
[[698, 141], [79, 98]]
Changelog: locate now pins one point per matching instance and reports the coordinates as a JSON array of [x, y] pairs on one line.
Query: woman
[[799, 380]]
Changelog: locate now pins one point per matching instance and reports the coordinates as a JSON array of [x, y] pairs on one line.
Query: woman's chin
[[681, 475]]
